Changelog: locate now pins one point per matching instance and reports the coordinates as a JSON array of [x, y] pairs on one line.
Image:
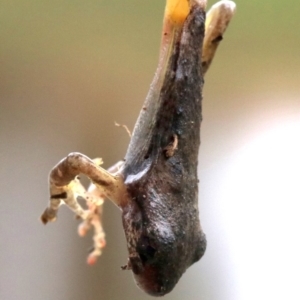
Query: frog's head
[[161, 246], [157, 268]]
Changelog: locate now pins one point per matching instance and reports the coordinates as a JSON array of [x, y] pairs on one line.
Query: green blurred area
[[87, 32], [97, 45]]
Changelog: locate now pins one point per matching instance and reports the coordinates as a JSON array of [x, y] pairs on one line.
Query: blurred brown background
[[69, 69]]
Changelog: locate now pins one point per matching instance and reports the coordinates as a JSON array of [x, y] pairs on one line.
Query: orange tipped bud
[[177, 10]]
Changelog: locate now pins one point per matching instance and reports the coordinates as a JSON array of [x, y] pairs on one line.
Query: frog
[[156, 184]]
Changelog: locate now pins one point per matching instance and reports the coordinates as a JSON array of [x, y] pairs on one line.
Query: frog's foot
[[66, 188], [68, 195]]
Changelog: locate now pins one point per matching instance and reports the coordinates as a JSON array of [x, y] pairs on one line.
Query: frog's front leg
[[65, 188]]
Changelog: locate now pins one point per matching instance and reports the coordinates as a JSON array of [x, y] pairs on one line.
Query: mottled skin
[[156, 186], [161, 218]]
